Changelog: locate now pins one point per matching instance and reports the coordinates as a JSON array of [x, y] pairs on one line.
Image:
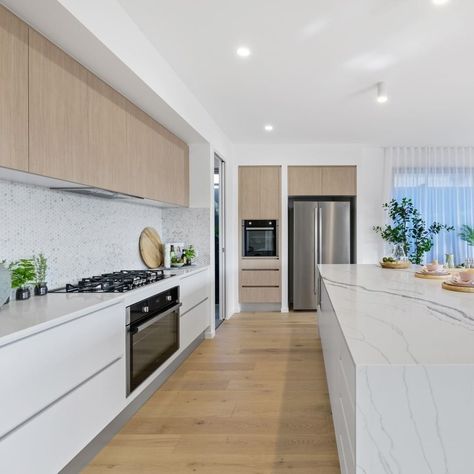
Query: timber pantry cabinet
[[78, 128], [259, 199]]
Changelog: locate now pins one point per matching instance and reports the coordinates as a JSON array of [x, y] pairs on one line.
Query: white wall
[[370, 183]]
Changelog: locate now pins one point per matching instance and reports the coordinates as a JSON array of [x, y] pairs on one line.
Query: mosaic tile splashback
[[85, 235], [80, 235], [191, 226]]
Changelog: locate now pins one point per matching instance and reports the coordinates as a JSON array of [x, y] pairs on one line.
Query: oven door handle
[[260, 228], [140, 327]]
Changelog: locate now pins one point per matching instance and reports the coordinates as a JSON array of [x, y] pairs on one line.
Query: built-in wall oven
[[259, 238], [152, 335]]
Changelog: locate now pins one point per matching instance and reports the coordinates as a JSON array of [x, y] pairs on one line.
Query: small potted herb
[[189, 254], [23, 274], [41, 266]]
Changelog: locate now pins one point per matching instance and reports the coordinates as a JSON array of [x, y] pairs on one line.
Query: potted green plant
[[23, 274], [189, 254], [408, 229], [467, 235], [41, 266]]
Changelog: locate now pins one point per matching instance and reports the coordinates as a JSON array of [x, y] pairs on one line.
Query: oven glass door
[[260, 242], [150, 343]]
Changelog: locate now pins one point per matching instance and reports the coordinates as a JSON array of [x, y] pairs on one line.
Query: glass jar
[[398, 253]]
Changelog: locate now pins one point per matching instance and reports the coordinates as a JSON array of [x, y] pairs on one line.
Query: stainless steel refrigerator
[[321, 233]]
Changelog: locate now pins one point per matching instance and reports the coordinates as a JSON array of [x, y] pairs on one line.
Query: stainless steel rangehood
[[95, 192]]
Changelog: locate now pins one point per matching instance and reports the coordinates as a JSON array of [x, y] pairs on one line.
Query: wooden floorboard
[[253, 400]]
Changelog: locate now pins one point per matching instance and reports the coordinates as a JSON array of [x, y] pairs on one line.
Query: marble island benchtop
[[389, 317]]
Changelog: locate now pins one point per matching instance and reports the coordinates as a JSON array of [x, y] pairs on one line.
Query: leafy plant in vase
[[189, 254], [467, 235], [41, 266], [409, 230], [23, 274]]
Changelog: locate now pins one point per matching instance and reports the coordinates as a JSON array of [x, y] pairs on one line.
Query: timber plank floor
[[253, 400]]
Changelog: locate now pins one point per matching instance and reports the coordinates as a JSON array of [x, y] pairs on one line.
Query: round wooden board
[[432, 277], [395, 266], [461, 289], [151, 248]]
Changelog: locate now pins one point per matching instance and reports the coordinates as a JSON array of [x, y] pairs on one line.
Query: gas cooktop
[[116, 282]]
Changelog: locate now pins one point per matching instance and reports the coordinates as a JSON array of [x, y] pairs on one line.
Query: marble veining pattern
[[389, 316], [411, 346]]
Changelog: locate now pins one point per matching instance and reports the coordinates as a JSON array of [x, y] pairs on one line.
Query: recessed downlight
[[268, 127], [382, 96], [243, 52]]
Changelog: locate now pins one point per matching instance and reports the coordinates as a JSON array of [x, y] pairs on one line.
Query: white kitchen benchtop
[[20, 319], [389, 317]]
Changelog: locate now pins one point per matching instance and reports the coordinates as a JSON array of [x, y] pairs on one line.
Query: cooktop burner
[[116, 282]]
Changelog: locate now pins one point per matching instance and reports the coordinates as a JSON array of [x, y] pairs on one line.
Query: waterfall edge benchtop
[[389, 317]]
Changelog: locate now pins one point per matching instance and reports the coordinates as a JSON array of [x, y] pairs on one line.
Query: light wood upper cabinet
[[322, 180], [304, 181], [82, 130], [160, 161], [339, 180], [107, 162], [259, 192], [13, 91], [58, 113]]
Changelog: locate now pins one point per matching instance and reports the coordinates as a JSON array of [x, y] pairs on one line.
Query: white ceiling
[[315, 63]]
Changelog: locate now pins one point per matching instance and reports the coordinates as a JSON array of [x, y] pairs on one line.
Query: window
[[440, 181]]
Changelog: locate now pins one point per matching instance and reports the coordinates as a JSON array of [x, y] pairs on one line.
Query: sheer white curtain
[[440, 181]]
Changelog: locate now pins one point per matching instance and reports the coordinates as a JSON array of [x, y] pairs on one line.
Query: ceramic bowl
[[434, 267], [466, 276]]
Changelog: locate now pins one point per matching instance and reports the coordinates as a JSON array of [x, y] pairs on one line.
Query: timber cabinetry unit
[[322, 180], [59, 120], [260, 280], [259, 192], [13, 91], [259, 198]]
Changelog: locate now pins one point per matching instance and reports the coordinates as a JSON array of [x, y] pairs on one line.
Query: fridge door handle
[[316, 249], [320, 236], [320, 250]]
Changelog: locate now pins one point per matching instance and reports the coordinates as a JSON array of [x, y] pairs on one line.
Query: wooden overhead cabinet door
[[259, 192], [107, 163], [13, 91], [339, 181], [304, 181], [58, 113]]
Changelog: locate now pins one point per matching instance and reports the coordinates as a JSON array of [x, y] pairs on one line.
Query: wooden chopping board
[[151, 248]]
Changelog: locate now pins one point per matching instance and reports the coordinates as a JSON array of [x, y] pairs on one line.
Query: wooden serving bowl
[[395, 265]]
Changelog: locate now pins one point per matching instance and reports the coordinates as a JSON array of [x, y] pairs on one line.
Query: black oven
[[152, 335], [259, 238]]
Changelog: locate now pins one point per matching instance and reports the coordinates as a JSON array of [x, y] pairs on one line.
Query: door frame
[[222, 239]]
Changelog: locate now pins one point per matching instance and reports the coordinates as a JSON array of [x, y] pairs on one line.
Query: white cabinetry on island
[[399, 357]]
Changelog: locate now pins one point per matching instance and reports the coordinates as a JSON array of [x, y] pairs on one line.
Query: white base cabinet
[[64, 385], [49, 440], [341, 377], [195, 310]]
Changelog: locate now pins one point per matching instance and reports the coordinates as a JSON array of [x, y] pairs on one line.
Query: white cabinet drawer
[[194, 323], [47, 442], [194, 289], [39, 369]]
